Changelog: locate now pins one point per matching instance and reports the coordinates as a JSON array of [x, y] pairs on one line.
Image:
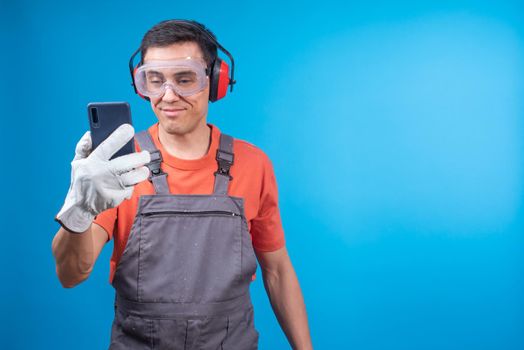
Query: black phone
[[106, 117]]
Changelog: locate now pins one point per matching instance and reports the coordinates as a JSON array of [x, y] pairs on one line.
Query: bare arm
[[284, 293], [75, 254]]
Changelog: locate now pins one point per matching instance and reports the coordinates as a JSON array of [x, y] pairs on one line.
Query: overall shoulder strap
[[157, 176], [225, 159]]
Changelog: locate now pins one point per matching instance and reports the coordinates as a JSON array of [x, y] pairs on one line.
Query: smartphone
[[106, 117]]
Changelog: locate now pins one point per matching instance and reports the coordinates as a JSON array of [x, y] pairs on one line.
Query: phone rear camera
[[94, 115]]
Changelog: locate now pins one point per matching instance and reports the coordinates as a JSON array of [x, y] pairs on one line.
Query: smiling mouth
[[172, 109], [172, 112]]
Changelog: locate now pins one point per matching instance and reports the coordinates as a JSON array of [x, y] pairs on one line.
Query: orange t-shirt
[[253, 180]]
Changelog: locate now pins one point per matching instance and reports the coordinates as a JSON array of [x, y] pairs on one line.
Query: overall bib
[[183, 279]]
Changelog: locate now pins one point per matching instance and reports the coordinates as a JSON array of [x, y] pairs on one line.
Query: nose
[[170, 95]]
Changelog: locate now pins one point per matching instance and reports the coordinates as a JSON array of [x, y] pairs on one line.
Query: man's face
[[179, 115]]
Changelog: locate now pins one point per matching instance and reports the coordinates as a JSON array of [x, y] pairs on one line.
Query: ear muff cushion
[[213, 80], [219, 80]]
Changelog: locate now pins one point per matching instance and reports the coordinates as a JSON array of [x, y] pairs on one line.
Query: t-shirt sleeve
[[107, 220], [266, 227]]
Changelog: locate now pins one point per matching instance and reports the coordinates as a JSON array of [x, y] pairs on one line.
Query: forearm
[[74, 256], [288, 304]]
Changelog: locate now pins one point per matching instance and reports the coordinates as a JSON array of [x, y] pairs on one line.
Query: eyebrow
[[182, 73]]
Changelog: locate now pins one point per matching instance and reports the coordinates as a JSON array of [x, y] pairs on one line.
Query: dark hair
[[170, 32]]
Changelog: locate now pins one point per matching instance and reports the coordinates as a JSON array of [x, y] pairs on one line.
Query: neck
[[191, 145]]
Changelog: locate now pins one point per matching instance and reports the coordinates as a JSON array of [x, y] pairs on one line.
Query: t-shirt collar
[[188, 164]]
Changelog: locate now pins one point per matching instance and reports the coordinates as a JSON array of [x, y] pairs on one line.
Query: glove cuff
[[74, 219]]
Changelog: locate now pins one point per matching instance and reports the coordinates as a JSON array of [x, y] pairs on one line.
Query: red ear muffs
[[218, 80]]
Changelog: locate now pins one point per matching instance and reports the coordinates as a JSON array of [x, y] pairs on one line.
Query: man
[[188, 225]]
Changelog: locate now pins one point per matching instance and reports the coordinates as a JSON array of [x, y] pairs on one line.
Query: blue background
[[395, 130]]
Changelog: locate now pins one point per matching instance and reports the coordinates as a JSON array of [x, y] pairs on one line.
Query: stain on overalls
[[183, 279]]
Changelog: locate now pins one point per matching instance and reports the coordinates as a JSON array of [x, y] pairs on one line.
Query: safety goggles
[[185, 76]]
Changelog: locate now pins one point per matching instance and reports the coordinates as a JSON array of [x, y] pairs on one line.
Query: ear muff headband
[[219, 78]]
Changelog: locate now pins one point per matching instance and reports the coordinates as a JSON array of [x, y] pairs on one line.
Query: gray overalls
[[183, 279]]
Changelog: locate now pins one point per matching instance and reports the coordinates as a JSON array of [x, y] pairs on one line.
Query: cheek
[[154, 103], [200, 100]]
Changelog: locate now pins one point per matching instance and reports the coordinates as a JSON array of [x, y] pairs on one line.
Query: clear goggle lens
[[185, 77]]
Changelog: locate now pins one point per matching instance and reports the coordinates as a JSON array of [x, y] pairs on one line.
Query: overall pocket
[[189, 256], [242, 334], [131, 332]]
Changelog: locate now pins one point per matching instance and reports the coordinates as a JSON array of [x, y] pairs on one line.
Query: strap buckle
[[225, 160], [154, 164]]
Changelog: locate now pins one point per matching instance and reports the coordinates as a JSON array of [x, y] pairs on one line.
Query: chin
[[182, 124], [177, 127], [171, 127]]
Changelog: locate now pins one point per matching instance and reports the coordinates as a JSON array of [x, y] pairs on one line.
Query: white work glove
[[98, 183]]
